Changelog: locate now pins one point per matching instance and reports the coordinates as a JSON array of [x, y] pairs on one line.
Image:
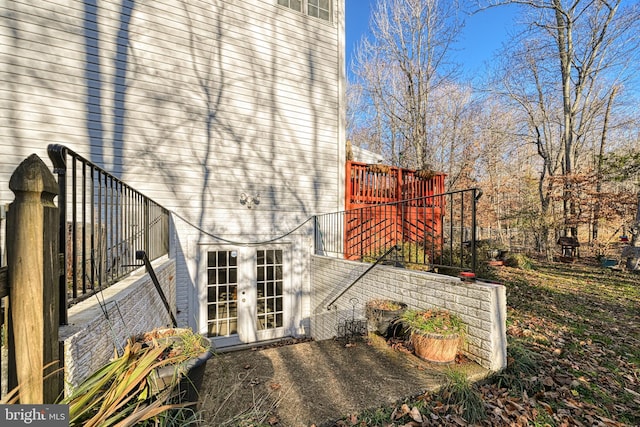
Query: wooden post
[[32, 255]]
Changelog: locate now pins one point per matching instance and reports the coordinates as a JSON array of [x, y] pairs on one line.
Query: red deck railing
[[377, 184], [374, 219]]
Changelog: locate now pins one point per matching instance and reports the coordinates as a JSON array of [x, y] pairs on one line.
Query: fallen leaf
[[416, 415], [546, 407], [404, 410]]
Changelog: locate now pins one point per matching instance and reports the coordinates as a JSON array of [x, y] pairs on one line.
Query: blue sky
[[482, 35]]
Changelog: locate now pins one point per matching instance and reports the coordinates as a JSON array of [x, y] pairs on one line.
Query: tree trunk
[[603, 140]]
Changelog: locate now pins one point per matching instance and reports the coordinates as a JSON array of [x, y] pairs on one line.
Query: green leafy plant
[[412, 255], [519, 261], [522, 366], [179, 341], [459, 394], [433, 321]]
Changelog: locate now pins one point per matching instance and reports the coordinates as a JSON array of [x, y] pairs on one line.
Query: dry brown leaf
[[460, 421], [546, 407], [416, 415], [514, 405], [571, 403], [399, 413]]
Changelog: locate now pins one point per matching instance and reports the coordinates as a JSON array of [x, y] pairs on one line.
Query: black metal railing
[[435, 233], [103, 222]]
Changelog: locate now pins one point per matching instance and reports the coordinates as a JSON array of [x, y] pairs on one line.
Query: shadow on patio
[[316, 382]]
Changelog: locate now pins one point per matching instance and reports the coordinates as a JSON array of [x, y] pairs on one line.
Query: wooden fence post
[[33, 266]]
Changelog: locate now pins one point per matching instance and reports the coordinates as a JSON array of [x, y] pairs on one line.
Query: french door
[[246, 295]]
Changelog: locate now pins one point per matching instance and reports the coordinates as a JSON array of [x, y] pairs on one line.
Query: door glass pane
[[222, 293], [269, 289]]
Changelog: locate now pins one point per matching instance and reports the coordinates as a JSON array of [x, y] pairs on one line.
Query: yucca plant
[[127, 390]]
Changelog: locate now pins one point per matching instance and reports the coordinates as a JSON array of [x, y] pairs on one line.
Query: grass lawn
[[573, 356]]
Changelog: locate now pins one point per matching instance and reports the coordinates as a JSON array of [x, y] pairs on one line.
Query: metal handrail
[[364, 273], [437, 232], [142, 256], [102, 220]]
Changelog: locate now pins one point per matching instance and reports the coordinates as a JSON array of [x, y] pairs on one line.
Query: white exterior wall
[[366, 156], [191, 103], [482, 306], [190, 247]]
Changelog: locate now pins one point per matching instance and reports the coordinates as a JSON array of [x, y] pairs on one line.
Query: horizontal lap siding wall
[[132, 306], [190, 102], [481, 306]]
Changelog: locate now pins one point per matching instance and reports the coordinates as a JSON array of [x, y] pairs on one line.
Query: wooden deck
[[389, 205]]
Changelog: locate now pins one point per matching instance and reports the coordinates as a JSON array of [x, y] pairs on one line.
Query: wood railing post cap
[[33, 176]]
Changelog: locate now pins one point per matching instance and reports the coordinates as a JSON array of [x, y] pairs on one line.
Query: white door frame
[[247, 299]]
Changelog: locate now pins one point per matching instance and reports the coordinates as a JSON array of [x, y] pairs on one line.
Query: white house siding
[[191, 102]]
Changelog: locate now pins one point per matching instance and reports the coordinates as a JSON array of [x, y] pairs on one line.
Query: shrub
[[519, 261]]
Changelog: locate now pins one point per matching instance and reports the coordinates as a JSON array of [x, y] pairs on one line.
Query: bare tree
[[561, 73], [600, 163], [399, 69]]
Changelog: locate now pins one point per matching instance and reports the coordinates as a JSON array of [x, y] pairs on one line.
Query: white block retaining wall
[[132, 306], [482, 306]]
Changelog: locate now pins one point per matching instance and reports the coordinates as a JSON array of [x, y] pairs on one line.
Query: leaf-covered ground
[[574, 357]]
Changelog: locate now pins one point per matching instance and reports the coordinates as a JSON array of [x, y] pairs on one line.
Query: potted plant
[[145, 383], [435, 334], [382, 314], [194, 350], [496, 256]]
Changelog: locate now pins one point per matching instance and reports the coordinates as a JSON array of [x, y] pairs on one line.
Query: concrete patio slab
[[316, 382]]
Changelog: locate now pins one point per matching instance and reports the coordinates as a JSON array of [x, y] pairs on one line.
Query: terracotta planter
[[436, 348]]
